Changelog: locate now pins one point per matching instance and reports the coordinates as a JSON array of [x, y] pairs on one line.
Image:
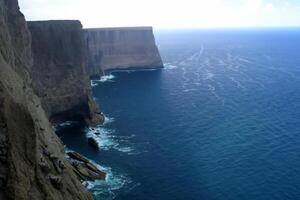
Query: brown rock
[[44, 166], [121, 49], [76, 156], [88, 174], [58, 73], [93, 168], [20, 120], [56, 181]]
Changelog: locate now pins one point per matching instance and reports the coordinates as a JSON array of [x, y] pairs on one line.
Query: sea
[[221, 121]]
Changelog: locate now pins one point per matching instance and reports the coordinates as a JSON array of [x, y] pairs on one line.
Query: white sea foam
[[244, 60], [169, 66], [190, 90], [66, 123], [105, 78], [104, 137], [107, 140], [125, 149], [238, 84], [209, 76], [94, 83], [108, 189], [212, 89], [63, 124], [108, 120]]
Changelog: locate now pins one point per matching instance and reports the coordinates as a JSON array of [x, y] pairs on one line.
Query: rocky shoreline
[[44, 81]]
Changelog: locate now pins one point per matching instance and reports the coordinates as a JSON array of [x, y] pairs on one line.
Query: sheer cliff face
[[58, 72], [32, 163], [121, 48]]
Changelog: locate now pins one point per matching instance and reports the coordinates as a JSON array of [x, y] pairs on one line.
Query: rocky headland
[[33, 164], [44, 80], [122, 48], [59, 71]]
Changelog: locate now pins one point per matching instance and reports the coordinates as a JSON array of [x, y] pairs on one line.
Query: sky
[[165, 14]]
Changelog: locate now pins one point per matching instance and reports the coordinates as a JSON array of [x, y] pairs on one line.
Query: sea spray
[[105, 78]]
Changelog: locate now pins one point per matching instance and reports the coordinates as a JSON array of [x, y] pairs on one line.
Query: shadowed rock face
[[121, 48], [32, 159], [58, 73]]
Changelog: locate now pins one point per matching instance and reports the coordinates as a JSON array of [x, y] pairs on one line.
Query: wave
[[238, 83], [108, 141], [106, 78], [107, 189], [212, 89], [108, 120], [94, 83], [189, 90], [169, 66], [209, 76], [63, 124]]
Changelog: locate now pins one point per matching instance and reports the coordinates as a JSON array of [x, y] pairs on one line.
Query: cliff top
[[136, 28], [48, 22]]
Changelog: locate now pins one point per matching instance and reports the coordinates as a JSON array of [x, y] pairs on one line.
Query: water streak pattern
[[221, 121]]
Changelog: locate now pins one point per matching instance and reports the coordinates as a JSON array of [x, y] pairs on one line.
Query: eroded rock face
[[33, 164], [59, 75], [121, 48], [85, 170]]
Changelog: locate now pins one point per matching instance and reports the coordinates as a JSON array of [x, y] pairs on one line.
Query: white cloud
[[165, 13]]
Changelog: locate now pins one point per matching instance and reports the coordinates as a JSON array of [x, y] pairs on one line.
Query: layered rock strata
[[59, 75], [32, 158], [124, 48]]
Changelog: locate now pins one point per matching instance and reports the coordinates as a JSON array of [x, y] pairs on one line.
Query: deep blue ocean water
[[220, 122]]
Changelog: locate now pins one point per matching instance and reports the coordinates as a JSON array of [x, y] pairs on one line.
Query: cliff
[[121, 48], [32, 159], [59, 75]]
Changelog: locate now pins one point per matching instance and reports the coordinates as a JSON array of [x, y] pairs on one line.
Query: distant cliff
[[121, 48], [59, 74], [32, 159]]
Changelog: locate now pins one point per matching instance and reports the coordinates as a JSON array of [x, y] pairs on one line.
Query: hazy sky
[[167, 13]]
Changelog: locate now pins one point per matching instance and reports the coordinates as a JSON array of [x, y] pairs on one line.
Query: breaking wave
[[108, 189], [108, 141], [94, 83], [105, 78], [169, 66]]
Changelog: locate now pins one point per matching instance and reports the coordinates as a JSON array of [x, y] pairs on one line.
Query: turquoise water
[[221, 121]]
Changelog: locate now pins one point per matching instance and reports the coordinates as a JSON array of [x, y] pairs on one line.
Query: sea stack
[[124, 48], [59, 71]]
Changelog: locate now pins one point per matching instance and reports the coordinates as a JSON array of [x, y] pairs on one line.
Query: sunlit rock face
[[120, 49], [59, 71]]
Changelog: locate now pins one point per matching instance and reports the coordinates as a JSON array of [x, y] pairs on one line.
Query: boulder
[[93, 143], [76, 156], [93, 168], [88, 174]]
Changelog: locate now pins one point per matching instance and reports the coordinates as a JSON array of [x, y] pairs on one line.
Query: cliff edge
[[59, 71], [120, 49], [32, 158]]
